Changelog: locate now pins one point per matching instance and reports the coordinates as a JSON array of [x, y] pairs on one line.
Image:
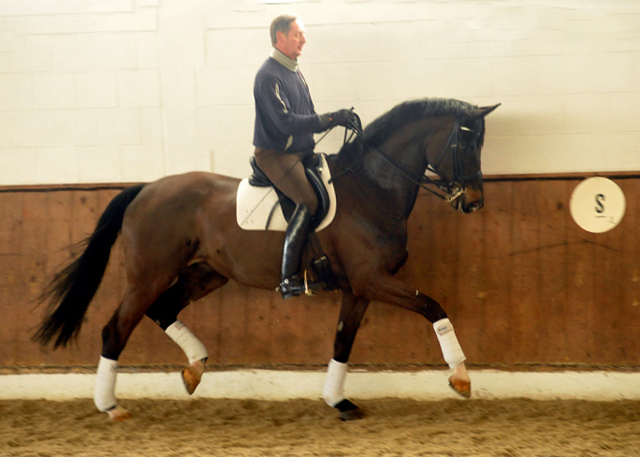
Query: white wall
[[132, 90]]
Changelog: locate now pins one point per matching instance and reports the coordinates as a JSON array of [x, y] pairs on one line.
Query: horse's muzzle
[[470, 199]]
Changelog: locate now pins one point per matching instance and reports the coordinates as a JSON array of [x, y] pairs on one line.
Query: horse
[[181, 242]]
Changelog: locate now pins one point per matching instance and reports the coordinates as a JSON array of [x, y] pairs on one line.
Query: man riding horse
[[200, 246], [283, 137]]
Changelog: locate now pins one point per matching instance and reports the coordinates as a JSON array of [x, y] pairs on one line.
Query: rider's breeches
[[286, 172]]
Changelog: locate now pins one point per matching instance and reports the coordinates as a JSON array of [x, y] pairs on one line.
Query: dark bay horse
[[181, 241]]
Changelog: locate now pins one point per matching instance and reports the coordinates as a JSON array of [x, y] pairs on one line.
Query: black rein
[[447, 192]]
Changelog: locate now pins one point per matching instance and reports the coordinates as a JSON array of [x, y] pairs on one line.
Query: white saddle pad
[[255, 204]]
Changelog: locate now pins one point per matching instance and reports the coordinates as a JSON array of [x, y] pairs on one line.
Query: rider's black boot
[[295, 238]]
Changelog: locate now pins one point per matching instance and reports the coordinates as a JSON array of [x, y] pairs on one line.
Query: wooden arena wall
[[522, 283]]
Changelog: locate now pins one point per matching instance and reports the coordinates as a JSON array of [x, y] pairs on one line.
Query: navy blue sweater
[[285, 117]]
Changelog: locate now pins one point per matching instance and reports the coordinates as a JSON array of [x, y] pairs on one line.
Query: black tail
[[73, 288]]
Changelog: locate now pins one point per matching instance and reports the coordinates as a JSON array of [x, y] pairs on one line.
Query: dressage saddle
[[312, 164]]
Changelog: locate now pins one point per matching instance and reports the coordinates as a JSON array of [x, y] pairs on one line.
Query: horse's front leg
[[452, 352], [352, 310], [397, 293]]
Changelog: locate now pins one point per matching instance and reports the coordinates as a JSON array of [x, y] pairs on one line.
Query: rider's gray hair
[[282, 24]]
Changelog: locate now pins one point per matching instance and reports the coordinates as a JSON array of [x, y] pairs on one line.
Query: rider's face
[[292, 43]]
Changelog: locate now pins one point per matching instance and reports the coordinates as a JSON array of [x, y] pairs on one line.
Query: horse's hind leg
[[352, 310], [114, 338], [194, 283]]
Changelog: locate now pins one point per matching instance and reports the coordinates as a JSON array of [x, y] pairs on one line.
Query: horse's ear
[[483, 111]]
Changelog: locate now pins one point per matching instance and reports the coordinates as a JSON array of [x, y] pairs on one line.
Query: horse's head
[[457, 164], [441, 136]]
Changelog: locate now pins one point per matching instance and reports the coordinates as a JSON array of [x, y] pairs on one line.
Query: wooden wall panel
[[522, 283], [554, 219], [11, 288], [496, 314], [630, 286]]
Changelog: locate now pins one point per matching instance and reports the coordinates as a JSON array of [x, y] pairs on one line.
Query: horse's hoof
[[348, 411], [460, 386], [192, 375], [352, 415], [119, 414]]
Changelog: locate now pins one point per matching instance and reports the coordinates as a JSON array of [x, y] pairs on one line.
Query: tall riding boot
[[295, 239]]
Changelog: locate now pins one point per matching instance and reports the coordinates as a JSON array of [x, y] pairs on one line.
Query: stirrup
[[292, 286], [295, 285]]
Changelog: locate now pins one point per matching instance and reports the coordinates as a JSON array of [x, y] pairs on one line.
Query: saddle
[[261, 206], [313, 168]]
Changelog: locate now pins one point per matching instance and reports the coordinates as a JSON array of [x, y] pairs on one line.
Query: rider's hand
[[343, 117]]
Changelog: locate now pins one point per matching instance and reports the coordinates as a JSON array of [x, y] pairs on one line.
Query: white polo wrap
[[451, 350], [104, 395], [188, 342], [333, 392]]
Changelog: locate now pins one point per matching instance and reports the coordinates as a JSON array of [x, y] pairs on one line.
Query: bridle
[[456, 187], [449, 191]]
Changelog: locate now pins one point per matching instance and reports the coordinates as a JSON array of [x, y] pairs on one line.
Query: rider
[[283, 137]]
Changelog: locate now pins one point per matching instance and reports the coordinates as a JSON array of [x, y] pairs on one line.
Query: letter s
[[599, 206]]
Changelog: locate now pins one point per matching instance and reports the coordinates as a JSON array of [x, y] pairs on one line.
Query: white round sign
[[597, 205]]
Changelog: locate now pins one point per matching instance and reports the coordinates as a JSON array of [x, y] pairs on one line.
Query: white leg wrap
[[188, 342], [333, 392], [104, 396], [451, 349]]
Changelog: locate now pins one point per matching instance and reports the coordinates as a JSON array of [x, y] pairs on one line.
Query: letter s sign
[[597, 204]]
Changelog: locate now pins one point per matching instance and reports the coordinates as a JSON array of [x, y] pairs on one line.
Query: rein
[[449, 192], [352, 131], [418, 181], [456, 186]]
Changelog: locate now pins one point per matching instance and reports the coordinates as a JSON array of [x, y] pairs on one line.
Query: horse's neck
[[397, 165], [408, 149], [392, 170], [390, 179]]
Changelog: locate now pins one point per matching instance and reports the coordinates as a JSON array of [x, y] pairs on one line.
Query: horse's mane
[[378, 130]]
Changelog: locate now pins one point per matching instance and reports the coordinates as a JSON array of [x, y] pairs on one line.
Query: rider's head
[[288, 35]]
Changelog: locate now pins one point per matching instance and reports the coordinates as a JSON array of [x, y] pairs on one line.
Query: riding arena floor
[[391, 427]]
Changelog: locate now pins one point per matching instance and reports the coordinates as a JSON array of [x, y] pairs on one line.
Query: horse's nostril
[[475, 206]]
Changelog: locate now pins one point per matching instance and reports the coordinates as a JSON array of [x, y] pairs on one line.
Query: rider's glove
[[343, 117]]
